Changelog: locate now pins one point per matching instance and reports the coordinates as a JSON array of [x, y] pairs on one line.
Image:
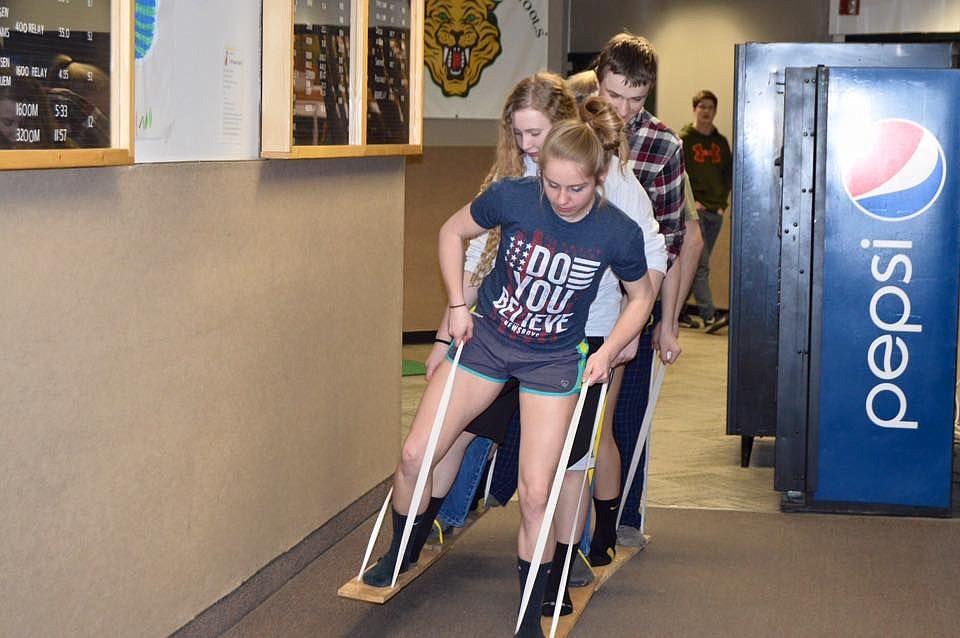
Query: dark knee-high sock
[[553, 584], [604, 542], [381, 574], [421, 528], [530, 625]]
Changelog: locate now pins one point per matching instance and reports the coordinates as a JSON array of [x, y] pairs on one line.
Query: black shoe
[[566, 607], [717, 323], [438, 531], [600, 556], [381, 574], [687, 321], [550, 603]]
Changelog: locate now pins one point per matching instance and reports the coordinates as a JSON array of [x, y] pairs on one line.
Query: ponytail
[[608, 126], [576, 141]]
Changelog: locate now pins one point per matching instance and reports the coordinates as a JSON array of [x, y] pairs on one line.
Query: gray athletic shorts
[[493, 422], [491, 356]]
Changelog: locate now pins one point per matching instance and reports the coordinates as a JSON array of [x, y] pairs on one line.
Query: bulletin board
[[346, 78], [65, 83], [197, 80]]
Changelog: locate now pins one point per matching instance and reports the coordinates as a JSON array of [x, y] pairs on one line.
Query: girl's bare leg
[[544, 422], [606, 478], [606, 483], [471, 395], [567, 507]]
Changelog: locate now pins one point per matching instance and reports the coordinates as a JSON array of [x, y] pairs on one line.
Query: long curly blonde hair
[[544, 92]]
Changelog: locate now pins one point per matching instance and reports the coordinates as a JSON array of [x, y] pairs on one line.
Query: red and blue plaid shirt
[[656, 157]]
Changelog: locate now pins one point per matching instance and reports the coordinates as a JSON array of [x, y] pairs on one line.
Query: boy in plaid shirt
[[627, 70]]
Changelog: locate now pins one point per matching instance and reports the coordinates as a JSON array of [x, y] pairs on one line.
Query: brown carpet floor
[[706, 573]]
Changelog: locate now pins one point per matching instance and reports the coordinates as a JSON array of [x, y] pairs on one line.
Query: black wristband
[[439, 340], [459, 305]]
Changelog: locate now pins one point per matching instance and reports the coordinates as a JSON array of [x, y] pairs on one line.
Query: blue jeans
[[505, 409], [628, 418], [710, 223], [456, 505]]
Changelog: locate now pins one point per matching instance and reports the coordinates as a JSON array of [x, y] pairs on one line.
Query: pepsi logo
[[896, 171]]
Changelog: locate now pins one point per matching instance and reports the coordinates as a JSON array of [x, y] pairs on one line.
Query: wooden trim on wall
[[277, 87], [276, 82], [416, 73]]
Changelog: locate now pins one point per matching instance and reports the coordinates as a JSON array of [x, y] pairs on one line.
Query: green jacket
[[709, 165]]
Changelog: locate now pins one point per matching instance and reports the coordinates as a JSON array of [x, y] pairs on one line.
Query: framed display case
[[66, 83], [342, 78]]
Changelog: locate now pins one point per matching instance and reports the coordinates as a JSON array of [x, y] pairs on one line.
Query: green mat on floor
[[413, 368]]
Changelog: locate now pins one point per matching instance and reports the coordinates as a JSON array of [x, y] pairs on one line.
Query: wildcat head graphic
[[461, 38]]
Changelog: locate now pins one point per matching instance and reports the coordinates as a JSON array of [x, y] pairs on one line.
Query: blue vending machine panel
[[889, 288]]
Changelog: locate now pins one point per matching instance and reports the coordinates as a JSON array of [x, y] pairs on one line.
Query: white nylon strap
[[646, 476], [427, 463], [551, 506], [375, 533], [656, 381], [486, 489], [598, 418]]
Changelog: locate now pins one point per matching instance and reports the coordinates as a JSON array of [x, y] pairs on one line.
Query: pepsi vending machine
[[869, 288], [762, 134]]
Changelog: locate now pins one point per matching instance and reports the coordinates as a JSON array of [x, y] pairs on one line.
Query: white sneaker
[[631, 537], [580, 573]]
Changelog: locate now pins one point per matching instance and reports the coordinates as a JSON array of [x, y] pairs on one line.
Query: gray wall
[[176, 340], [695, 40]]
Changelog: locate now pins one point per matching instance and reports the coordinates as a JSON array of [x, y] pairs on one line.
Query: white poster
[[197, 92], [476, 50], [231, 121], [154, 75]]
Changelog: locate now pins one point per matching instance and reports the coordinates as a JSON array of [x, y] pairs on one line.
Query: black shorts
[[492, 423]]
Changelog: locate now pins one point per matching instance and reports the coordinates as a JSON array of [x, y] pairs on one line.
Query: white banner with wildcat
[[476, 50]]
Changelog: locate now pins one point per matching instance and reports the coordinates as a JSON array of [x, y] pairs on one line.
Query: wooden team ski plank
[[358, 590], [582, 595]]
